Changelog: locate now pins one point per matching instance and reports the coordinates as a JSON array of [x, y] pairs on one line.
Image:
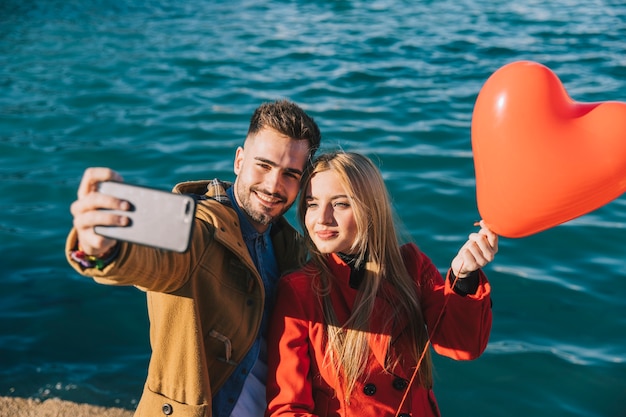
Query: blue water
[[162, 91]]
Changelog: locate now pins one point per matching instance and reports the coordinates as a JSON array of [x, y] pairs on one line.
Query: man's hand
[[88, 211]]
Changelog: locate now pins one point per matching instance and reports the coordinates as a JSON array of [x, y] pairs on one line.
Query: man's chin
[[265, 218], [265, 215]]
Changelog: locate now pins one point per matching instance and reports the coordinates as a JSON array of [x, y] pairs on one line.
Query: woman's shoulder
[[299, 279], [410, 251], [415, 260]]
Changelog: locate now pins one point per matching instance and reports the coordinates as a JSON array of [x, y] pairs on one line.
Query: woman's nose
[[325, 215]]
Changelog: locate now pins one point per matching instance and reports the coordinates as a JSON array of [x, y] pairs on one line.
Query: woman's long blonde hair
[[378, 250]]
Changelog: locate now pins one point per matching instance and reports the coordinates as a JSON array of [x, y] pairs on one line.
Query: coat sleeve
[[289, 385], [458, 326], [147, 268]]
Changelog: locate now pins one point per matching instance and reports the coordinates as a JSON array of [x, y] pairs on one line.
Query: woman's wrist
[[467, 285]]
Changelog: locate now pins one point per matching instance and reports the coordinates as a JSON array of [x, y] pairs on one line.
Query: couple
[[342, 335]]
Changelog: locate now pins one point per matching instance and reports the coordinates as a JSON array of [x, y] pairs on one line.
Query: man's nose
[[272, 181]]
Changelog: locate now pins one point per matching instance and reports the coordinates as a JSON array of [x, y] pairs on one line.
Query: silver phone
[[160, 219]]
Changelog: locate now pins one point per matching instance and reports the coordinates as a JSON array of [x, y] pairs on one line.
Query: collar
[[357, 272], [339, 268]]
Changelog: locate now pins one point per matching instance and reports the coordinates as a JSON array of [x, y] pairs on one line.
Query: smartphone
[[159, 219]]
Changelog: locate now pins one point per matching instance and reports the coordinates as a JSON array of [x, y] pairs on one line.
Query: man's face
[[268, 168]]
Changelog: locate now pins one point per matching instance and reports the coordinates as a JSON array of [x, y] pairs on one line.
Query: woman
[[351, 329]]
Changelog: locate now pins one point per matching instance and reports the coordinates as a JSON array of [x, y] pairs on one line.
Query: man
[[208, 307]]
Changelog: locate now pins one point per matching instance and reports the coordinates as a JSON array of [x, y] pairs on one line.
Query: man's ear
[[238, 160]]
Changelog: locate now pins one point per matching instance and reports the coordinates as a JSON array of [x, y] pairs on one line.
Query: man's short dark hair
[[289, 119]]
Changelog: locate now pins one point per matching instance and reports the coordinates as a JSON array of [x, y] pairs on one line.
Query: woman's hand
[[480, 249]]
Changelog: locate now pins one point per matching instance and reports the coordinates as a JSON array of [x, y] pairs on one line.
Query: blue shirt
[[262, 253]]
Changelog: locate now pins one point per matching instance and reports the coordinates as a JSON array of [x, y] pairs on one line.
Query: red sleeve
[[289, 387], [463, 330]]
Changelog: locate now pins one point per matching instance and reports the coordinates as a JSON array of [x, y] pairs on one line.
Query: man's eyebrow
[[275, 165]]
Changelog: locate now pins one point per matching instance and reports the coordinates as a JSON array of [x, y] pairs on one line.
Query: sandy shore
[[22, 407]]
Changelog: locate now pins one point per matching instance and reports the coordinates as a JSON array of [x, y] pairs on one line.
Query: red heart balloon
[[541, 158]]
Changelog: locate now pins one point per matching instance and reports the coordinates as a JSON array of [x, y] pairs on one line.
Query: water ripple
[[162, 91]]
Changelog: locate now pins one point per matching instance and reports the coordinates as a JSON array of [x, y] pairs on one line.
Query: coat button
[[399, 384], [167, 409], [369, 389]]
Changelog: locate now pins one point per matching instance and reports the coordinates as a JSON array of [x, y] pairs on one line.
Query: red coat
[[298, 384]]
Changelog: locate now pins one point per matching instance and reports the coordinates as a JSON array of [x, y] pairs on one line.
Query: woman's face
[[329, 217]]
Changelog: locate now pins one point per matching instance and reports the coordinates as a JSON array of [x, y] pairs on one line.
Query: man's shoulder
[[282, 226], [214, 189], [213, 206], [289, 245]]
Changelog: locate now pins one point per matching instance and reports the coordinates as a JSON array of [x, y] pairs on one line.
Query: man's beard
[[258, 216]]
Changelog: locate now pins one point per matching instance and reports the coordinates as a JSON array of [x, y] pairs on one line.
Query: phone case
[[158, 218]]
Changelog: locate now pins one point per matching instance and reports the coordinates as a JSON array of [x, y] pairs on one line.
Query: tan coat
[[205, 306]]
